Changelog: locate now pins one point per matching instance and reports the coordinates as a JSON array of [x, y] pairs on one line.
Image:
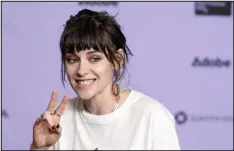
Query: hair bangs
[[86, 38]]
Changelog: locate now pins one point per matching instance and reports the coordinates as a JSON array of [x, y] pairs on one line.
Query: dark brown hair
[[98, 30]]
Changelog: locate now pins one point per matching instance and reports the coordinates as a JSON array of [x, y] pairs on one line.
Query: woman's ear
[[120, 58]]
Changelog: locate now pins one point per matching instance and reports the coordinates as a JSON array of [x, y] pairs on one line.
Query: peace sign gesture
[[46, 129]]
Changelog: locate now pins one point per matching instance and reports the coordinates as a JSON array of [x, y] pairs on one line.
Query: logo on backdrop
[[211, 62], [97, 3], [182, 118], [5, 114], [213, 8]]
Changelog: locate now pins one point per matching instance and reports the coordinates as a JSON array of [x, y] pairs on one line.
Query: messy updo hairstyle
[[99, 31]]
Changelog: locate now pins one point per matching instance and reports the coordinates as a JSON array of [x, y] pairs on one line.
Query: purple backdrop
[[165, 37]]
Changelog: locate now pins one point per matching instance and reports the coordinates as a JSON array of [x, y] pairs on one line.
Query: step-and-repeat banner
[[183, 57]]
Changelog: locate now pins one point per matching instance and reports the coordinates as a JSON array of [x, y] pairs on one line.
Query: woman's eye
[[95, 59], [71, 60]]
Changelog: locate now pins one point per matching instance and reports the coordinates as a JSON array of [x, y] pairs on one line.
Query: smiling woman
[[102, 116]]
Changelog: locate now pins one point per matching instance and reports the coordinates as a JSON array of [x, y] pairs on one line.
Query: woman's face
[[89, 72]]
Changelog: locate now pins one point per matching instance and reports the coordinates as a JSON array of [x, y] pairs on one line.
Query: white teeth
[[85, 82]]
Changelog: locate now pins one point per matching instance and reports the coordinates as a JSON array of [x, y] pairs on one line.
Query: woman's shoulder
[[149, 105], [147, 101]]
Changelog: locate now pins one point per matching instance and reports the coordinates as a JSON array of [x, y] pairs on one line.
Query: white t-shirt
[[141, 123]]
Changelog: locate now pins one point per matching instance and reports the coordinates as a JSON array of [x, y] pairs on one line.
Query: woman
[[94, 57]]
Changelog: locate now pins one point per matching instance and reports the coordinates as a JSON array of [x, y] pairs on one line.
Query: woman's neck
[[99, 107], [104, 103]]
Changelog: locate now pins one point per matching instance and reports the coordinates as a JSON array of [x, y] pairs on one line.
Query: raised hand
[[46, 129]]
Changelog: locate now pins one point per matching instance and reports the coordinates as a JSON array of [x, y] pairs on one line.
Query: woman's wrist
[[32, 146]]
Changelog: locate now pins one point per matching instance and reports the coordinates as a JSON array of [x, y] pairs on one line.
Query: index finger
[[62, 106], [52, 104]]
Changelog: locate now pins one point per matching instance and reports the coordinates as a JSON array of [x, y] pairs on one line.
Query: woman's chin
[[85, 95]]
